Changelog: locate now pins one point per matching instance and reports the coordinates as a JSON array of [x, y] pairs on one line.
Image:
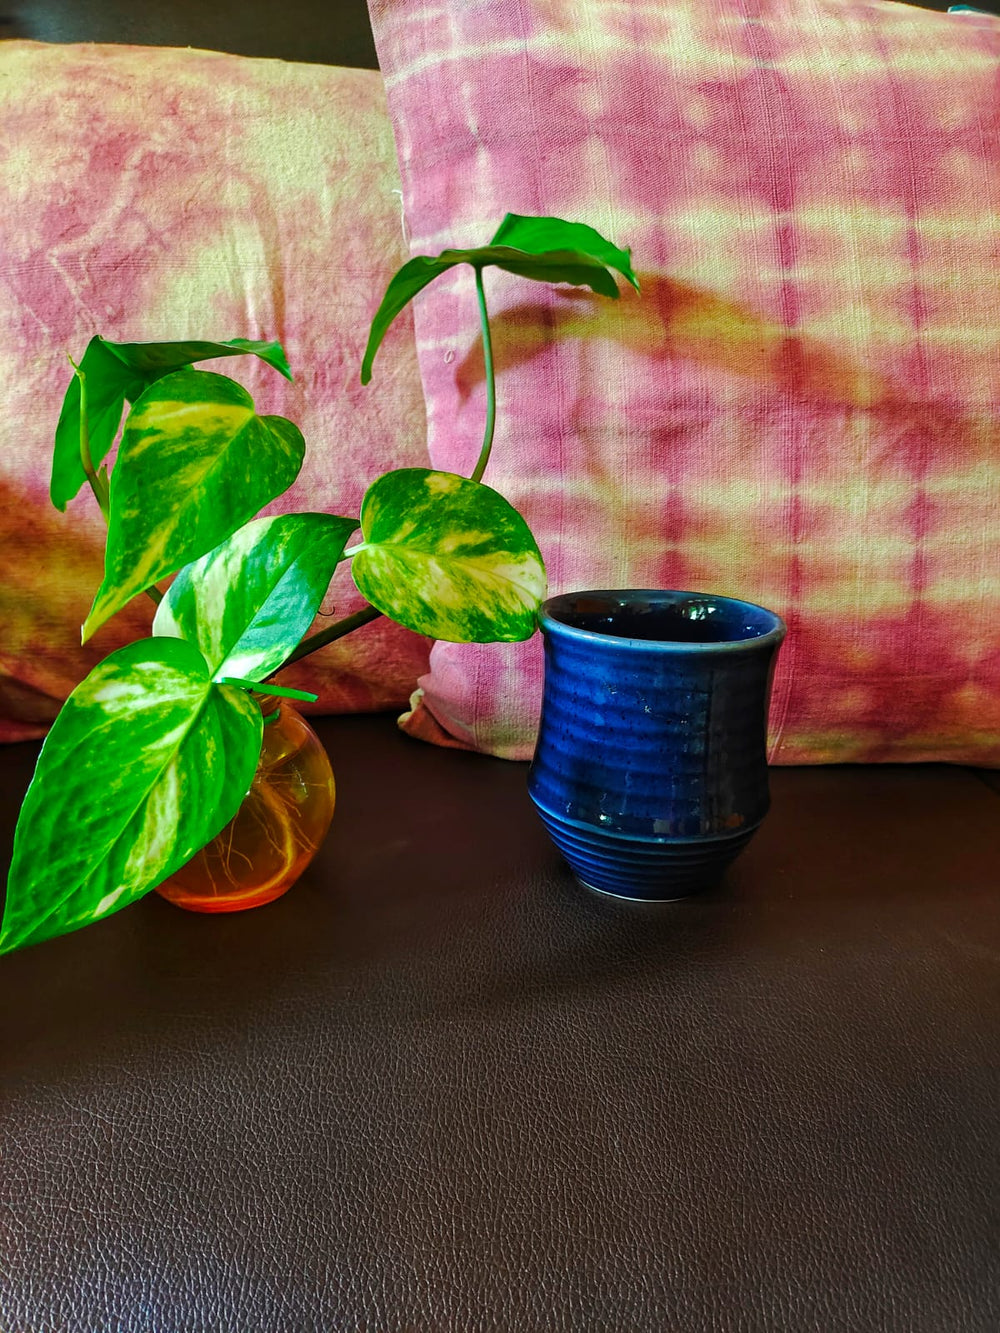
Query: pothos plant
[[153, 753]]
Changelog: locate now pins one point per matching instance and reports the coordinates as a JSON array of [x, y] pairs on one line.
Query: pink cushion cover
[[153, 194], [802, 406]]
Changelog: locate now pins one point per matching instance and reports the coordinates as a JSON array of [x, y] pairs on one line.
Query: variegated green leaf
[[109, 383], [247, 603], [545, 249], [153, 360], [147, 762], [195, 463], [120, 372], [448, 557], [573, 252]]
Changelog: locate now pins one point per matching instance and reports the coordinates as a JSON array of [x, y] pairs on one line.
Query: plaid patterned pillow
[[149, 193], [802, 406]]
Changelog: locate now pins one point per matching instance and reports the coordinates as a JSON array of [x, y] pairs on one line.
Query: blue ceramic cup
[[650, 771]]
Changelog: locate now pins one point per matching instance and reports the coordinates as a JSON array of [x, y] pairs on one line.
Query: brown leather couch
[[440, 1088]]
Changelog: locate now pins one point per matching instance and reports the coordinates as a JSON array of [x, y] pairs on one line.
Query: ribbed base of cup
[[645, 869]]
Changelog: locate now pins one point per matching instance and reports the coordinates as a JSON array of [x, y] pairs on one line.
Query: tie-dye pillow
[[803, 406], [151, 194]]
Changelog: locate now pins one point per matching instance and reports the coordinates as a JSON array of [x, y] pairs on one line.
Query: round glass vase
[[275, 833]]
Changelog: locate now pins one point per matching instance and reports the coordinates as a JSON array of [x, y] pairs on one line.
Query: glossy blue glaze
[[650, 771]]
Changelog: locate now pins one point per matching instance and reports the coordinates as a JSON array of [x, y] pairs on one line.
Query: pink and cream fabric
[[148, 194], [802, 407]]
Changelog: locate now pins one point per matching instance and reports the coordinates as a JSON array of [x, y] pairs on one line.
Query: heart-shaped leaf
[[147, 762], [544, 237], [154, 360], [546, 249], [247, 603], [195, 463], [413, 277], [116, 372], [109, 383], [448, 557]]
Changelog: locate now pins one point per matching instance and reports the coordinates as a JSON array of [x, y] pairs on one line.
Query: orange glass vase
[[275, 833]]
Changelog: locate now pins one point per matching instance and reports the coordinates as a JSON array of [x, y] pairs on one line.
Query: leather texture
[[438, 1087]]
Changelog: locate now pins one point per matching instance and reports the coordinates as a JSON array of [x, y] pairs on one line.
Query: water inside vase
[[275, 833]]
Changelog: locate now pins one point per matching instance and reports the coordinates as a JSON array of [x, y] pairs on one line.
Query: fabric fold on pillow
[[154, 194], [801, 409]]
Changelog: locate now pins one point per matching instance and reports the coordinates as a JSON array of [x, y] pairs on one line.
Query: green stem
[[335, 631], [100, 489], [491, 388], [369, 613]]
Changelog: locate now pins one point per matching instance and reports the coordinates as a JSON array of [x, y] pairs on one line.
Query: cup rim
[[548, 620]]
